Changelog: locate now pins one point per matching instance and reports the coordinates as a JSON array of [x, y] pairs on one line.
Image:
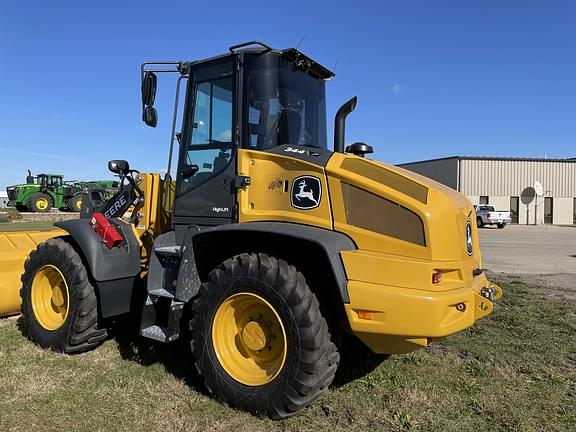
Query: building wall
[[442, 170], [499, 203], [563, 211], [511, 177]]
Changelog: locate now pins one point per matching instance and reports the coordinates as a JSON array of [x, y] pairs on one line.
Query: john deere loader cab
[[268, 251], [257, 99], [282, 112]]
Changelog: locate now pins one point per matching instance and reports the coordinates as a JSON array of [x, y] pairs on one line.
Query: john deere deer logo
[[306, 192]]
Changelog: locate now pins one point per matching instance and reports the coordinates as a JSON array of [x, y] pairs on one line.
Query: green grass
[[513, 371], [26, 226]]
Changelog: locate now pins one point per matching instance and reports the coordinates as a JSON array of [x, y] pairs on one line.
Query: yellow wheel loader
[[266, 248]]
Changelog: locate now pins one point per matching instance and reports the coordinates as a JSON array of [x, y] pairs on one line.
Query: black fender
[[219, 241], [114, 270]]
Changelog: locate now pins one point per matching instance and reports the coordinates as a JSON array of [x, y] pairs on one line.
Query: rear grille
[[372, 212], [387, 178]]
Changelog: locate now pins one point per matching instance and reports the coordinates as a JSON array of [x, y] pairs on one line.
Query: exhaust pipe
[[340, 123]]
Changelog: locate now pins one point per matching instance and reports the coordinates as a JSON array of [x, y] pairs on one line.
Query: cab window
[[209, 147]]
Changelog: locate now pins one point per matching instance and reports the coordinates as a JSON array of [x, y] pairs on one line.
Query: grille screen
[[387, 178], [374, 213]]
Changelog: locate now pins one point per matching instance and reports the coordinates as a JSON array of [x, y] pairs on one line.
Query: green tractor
[[43, 192], [100, 191]]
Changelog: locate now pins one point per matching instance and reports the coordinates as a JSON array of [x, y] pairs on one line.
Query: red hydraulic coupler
[[106, 230]]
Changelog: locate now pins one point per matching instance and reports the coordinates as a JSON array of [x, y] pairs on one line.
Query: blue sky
[[433, 78]]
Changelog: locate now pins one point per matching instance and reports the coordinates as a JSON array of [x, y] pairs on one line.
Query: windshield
[[283, 105]]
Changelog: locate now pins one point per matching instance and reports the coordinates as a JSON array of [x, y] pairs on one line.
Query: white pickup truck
[[486, 215]]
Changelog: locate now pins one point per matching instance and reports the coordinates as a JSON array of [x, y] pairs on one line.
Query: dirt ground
[[544, 255]]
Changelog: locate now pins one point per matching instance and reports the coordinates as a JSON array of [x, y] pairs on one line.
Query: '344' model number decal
[[294, 150]]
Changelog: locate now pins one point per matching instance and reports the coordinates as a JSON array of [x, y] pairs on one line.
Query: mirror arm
[[174, 119]]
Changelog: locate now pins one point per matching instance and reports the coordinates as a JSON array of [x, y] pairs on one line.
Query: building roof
[[495, 158]]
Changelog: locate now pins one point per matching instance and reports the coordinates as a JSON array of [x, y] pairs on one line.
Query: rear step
[[162, 311], [156, 333]]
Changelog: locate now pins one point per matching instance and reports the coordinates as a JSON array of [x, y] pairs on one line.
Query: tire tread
[[318, 358], [81, 331]]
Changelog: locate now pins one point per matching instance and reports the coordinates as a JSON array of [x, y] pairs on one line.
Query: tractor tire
[[39, 202], [258, 337], [59, 304], [479, 222], [75, 203]]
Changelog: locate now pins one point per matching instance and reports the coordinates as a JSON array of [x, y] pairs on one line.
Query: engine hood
[[388, 209]]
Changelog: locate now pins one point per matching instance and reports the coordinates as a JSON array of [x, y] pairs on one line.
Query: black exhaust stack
[[340, 123]]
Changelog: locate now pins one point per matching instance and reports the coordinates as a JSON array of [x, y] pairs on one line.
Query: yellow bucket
[[14, 249]]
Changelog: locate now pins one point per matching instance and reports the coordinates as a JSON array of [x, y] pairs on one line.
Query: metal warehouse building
[[510, 184], [3, 199]]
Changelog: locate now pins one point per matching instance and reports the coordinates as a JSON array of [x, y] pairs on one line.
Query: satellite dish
[[538, 188]]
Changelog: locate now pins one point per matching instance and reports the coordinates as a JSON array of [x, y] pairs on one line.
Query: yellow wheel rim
[[249, 339], [50, 297], [79, 204], [42, 203]]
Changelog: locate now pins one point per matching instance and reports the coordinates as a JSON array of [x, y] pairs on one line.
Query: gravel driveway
[[545, 254]]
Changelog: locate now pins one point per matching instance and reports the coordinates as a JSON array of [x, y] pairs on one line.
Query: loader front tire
[[259, 339], [59, 304]]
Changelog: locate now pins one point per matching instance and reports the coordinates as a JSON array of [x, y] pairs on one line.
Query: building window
[[483, 200], [548, 210], [514, 207]]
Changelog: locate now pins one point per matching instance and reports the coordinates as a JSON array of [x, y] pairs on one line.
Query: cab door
[[206, 168]]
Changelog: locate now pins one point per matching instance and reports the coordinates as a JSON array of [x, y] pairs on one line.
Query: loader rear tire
[[59, 303], [40, 202], [258, 337]]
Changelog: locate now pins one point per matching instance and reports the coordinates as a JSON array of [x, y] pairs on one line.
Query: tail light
[[436, 277]]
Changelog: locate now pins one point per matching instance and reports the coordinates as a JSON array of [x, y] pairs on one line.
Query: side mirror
[[149, 83], [359, 149], [150, 116], [119, 167]]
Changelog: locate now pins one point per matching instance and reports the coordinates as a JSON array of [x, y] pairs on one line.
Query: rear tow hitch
[[488, 293]]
